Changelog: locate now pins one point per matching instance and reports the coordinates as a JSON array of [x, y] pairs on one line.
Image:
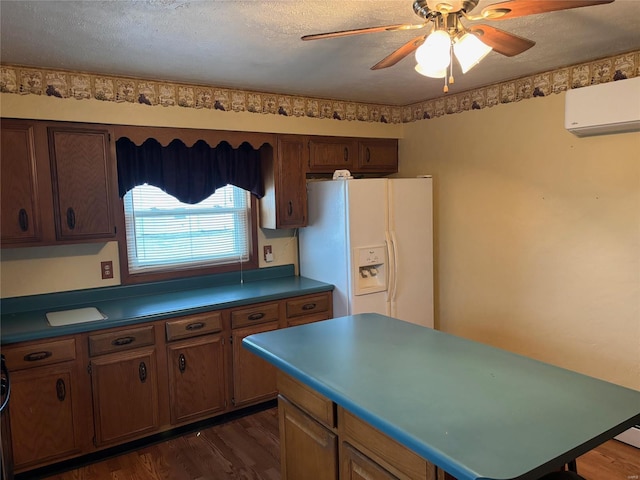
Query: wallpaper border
[[63, 84]]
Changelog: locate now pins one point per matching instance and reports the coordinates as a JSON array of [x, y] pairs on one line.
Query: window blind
[[163, 232]]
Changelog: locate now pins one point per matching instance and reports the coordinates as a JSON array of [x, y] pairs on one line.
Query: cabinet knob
[[290, 208], [308, 306], [182, 363], [346, 154], [368, 155], [71, 218], [61, 390], [23, 220], [256, 316], [142, 372]]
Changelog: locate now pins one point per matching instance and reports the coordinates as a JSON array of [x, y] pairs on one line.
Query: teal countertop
[[475, 411], [23, 318]]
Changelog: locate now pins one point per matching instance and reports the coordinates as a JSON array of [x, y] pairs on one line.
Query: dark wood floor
[[248, 448]]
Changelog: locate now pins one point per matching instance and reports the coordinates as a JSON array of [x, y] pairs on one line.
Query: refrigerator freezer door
[[367, 221], [324, 247], [411, 227]]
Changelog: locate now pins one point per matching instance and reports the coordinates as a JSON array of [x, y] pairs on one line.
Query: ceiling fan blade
[[502, 42], [400, 53], [521, 8], [344, 33]]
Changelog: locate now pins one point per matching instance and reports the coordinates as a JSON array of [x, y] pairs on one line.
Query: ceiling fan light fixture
[[431, 72], [434, 55], [469, 50]]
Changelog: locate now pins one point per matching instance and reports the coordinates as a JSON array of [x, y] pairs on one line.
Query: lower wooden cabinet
[[47, 410], [311, 427], [254, 380], [309, 449], [125, 395], [124, 384], [196, 378], [47, 429], [82, 393], [356, 466]]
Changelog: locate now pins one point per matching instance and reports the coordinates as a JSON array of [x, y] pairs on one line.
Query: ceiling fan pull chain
[[451, 64]]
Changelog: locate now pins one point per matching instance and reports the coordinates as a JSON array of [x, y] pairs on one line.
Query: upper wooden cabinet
[[58, 183], [327, 154], [20, 204], [378, 155], [358, 155], [285, 202], [81, 178]]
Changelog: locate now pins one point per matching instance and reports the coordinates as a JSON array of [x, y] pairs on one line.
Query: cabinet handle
[[142, 372], [346, 154], [308, 306], [71, 218], [118, 342], [182, 363], [23, 220], [36, 356], [256, 316], [368, 155], [290, 208], [61, 390], [194, 326]]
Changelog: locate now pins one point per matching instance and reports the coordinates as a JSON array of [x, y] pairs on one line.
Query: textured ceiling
[[255, 45]]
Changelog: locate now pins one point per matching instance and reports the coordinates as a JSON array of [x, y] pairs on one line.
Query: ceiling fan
[[449, 36]]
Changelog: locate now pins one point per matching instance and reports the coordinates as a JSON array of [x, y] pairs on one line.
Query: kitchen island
[[471, 410]]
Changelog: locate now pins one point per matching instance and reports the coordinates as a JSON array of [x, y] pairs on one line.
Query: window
[[164, 234]]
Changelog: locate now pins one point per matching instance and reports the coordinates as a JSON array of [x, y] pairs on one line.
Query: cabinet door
[[327, 154], [196, 378], [254, 379], [308, 450], [378, 155], [125, 395], [291, 187], [44, 426], [20, 206], [355, 466], [82, 183]]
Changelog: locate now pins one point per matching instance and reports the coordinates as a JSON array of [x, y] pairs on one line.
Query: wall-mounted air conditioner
[[607, 108]]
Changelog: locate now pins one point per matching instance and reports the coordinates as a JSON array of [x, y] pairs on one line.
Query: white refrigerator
[[373, 240]]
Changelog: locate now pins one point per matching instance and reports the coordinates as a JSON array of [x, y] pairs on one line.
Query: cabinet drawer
[[194, 326], [120, 340], [388, 453], [258, 314], [319, 407], [307, 305], [35, 355]]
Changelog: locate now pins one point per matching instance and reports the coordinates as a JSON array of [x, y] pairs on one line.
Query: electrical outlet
[[107, 269], [268, 253]]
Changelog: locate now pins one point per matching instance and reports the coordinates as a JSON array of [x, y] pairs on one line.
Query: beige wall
[[39, 270], [537, 234], [537, 231]]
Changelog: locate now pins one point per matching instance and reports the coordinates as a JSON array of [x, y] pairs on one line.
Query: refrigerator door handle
[[394, 286], [391, 270]]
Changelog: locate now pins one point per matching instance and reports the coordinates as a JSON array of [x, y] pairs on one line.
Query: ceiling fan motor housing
[[428, 9]]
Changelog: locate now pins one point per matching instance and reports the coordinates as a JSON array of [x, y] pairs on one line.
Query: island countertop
[[24, 318], [475, 411]]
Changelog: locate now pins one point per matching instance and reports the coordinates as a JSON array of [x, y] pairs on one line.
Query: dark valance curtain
[[190, 174]]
